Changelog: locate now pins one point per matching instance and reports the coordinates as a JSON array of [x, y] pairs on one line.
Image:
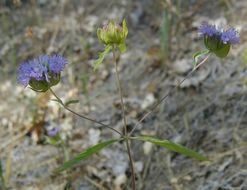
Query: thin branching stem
[[82, 116], [2, 183], [164, 98], [125, 122]]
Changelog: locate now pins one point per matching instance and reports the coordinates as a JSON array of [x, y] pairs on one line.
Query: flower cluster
[[226, 36], [230, 36], [217, 40], [41, 73]]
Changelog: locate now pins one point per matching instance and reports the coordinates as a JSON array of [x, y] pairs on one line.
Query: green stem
[[125, 122], [2, 181], [82, 116], [66, 151], [168, 94]]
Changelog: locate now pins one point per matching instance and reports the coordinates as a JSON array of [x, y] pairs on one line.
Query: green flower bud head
[[114, 34]]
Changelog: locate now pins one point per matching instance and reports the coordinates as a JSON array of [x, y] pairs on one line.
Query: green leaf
[[55, 141], [85, 154], [223, 51], [173, 146], [125, 28], [122, 47], [55, 100], [211, 43], [197, 55], [99, 34], [71, 102], [102, 56]]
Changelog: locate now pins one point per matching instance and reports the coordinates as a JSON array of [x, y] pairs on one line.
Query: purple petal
[[207, 29], [53, 132], [230, 36], [41, 69], [57, 63]]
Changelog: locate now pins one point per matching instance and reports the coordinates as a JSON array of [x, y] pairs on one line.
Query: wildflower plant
[[44, 72], [216, 40]]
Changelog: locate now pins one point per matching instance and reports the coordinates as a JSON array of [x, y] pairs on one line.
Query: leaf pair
[[163, 143]]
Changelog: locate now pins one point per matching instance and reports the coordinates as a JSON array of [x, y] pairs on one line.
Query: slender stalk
[[168, 94], [2, 181], [82, 116], [125, 122]]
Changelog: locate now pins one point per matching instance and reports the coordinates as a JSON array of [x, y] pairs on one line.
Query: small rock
[[138, 166], [148, 101], [174, 180], [90, 24], [116, 160], [119, 181], [147, 147], [182, 66], [187, 178], [94, 136]]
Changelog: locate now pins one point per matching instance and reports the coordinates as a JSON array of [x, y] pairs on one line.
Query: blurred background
[[208, 113]]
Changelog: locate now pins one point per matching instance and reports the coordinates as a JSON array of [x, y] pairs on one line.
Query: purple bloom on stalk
[[53, 132], [230, 36], [218, 41], [207, 29], [31, 69], [45, 68]]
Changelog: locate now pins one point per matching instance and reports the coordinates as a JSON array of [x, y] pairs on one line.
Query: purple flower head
[[230, 36], [57, 63], [43, 68], [53, 132], [218, 40], [207, 29]]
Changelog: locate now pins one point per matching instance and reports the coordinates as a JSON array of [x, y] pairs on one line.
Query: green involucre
[[43, 86], [216, 46]]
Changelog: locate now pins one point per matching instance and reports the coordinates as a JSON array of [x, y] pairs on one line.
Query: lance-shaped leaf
[[84, 155], [172, 146], [197, 55], [71, 102], [102, 56]]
